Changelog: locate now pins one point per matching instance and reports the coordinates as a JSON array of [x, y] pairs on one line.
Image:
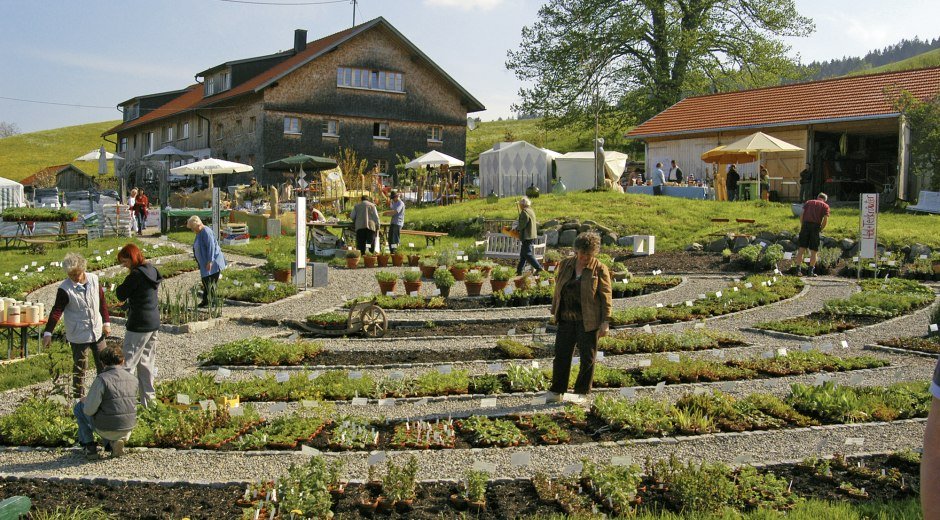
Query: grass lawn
[[561, 140], [24, 154], [678, 222]]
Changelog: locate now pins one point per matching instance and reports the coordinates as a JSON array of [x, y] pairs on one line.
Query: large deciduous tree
[[640, 56]]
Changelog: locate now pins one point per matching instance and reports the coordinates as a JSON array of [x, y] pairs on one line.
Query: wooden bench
[[430, 237], [36, 242], [499, 245]]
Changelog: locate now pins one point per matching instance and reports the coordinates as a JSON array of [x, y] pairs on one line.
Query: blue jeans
[[394, 237], [141, 222], [526, 254], [86, 430]]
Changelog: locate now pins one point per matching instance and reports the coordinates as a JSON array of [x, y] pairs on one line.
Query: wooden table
[[347, 231], [11, 330]]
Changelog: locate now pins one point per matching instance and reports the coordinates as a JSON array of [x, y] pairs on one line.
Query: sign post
[[868, 229], [216, 213], [300, 265]]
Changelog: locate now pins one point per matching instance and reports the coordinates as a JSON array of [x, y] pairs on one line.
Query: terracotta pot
[[521, 283], [282, 275], [383, 260], [414, 260], [427, 271], [368, 506], [411, 287], [546, 265], [459, 274], [473, 288], [387, 287], [486, 271], [369, 261], [352, 263], [385, 505], [498, 285], [398, 259]]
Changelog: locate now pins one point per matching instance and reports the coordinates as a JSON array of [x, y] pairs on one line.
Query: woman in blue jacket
[[208, 256]]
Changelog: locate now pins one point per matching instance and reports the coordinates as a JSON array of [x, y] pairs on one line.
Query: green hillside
[[564, 140], [927, 59], [24, 154]]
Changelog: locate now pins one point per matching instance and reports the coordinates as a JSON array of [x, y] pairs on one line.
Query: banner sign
[[868, 225]]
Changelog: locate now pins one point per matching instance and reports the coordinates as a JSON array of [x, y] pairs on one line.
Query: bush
[[262, 351], [411, 276], [502, 274], [353, 253], [386, 276], [39, 422], [473, 277], [553, 256], [443, 278]]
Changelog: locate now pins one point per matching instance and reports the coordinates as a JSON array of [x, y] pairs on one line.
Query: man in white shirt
[[659, 179]]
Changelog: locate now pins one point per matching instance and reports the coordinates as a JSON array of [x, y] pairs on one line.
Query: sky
[[98, 53]]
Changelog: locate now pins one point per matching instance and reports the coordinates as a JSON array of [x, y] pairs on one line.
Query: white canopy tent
[[434, 158], [508, 169], [11, 194], [576, 169]]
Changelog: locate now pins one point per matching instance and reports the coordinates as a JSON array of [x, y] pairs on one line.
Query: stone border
[[904, 351], [186, 328]]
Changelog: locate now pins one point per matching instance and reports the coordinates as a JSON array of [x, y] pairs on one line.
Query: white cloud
[[465, 5]]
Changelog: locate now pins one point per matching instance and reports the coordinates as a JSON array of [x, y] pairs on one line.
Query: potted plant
[[523, 282], [412, 281], [387, 281], [486, 267], [383, 259], [279, 264], [370, 259], [444, 281], [499, 279], [428, 267], [472, 493], [352, 258], [474, 283], [459, 270], [398, 258], [551, 260], [413, 259], [400, 485]]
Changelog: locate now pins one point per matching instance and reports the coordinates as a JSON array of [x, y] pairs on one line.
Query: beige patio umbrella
[[760, 143], [719, 155], [211, 167]]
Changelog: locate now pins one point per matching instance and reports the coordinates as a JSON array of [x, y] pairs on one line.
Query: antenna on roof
[[354, 3]]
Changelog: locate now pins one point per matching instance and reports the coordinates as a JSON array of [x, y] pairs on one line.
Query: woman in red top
[[141, 203]]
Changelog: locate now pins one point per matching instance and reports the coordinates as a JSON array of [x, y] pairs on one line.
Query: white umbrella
[[434, 158], [102, 156], [211, 167]]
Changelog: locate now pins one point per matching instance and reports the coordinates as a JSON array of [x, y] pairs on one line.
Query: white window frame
[[184, 134], [289, 127], [170, 133], [331, 128], [380, 163], [148, 145], [436, 129], [122, 147], [382, 125], [369, 79]]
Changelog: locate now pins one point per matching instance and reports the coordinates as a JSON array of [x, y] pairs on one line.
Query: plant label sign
[[788, 255], [659, 306], [727, 386], [445, 369], [699, 325], [436, 292], [856, 379], [511, 332], [355, 375], [182, 399], [735, 289], [359, 401], [600, 355], [718, 354], [307, 450], [494, 367], [702, 296], [413, 293], [421, 402], [934, 327], [923, 257], [673, 357], [748, 285], [387, 402], [855, 441], [551, 268], [390, 293], [58, 399], [520, 459], [657, 272], [781, 352], [628, 393], [623, 460], [396, 376], [307, 403], [489, 402], [688, 303], [410, 244], [486, 467], [644, 363], [282, 377], [257, 285], [806, 347], [821, 379], [718, 294], [660, 386], [845, 344], [508, 291], [647, 329]]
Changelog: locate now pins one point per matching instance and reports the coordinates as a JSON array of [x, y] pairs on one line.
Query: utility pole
[[354, 3]]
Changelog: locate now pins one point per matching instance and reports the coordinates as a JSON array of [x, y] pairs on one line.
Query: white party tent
[[508, 169], [11, 194], [576, 169]]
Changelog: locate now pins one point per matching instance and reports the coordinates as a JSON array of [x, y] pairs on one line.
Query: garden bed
[[879, 300], [430, 328], [929, 344]]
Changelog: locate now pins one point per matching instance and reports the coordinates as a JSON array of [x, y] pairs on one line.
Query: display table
[[23, 330], [203, 213], [683, 192], [748, 190]]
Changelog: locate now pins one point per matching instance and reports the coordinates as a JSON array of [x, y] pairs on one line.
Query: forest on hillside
[[876, 58]]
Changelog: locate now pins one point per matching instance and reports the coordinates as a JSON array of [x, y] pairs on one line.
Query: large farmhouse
[[854, 139], [367, 88]]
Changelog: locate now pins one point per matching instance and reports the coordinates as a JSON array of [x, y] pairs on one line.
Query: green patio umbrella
[[301, 160]]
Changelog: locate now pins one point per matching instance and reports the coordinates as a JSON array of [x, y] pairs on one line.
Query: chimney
[[300, 40]]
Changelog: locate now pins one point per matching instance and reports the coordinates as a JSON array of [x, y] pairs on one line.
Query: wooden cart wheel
[[374, 321]]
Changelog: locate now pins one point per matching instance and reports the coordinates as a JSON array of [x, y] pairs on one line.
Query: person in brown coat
[[581, 307]]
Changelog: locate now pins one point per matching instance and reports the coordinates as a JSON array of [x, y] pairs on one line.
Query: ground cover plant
[[262, 352], [252, 285], [344, 385], [930, 344], [400, 302], [877, 301], [753, 291], [631, 342], [24, 272]]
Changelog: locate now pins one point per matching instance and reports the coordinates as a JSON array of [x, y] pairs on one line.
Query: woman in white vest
[[81, 304]]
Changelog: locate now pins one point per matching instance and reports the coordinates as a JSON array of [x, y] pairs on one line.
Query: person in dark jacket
[[81, 305], [582, 307], [731, 182], [110, 408], [139, 291]]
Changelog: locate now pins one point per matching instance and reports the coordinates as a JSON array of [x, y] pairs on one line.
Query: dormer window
[[218, 82], [132, 111], [369, 79]]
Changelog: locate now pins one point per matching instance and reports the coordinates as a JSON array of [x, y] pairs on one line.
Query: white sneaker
[[575, 398], [552, 397], [117, 448]]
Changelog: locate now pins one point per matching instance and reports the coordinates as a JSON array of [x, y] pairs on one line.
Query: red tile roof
[[848, 98], [193, 97], [54, 170]]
